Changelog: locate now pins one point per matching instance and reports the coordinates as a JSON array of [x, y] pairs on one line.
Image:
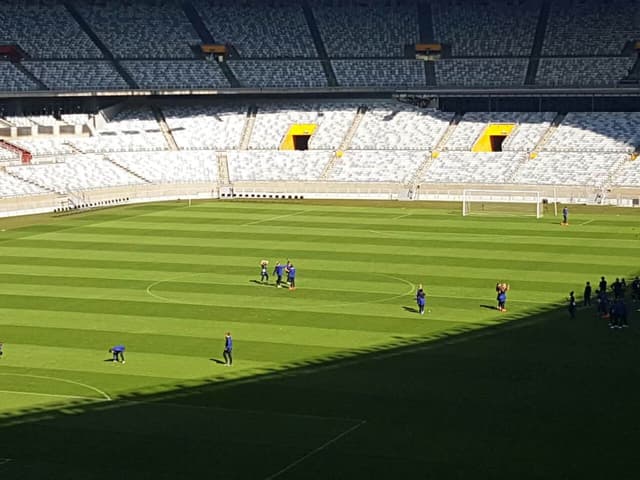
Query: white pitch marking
[[401, 216], [316, 451], [274, 218], [587, 222], [37, 394], [64, 380]]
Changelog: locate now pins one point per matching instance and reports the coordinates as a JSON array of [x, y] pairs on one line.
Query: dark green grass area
[[338, 379]]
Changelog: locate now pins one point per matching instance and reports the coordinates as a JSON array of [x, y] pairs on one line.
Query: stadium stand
[[379, 73], [77, 74], [13, 80], [142, 29], [394, 126], [583, 71], [590, 27], [569, 168], [481, 72], [260, 30], [279, 73], [475, 168], [77, 172], [277, 165], [44, 30], [628, 175], [530, 128], [376, 166], [486, 27], [39, 147], [11, 186], [197, 127], [170, 167], [366, 30], [597, 132], [175, 73]]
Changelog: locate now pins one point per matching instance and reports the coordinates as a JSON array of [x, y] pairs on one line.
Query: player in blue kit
[[292, 277], [421, 299], [118, 353], [277, 271], [228, 347]]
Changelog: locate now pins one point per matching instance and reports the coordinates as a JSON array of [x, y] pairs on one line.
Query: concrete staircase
[[245, 139], [319, 44], [538, 40], [453, 124], [346, 141], [548, 134], [130, 172], [223, 170], [32, 182], [164, 128]]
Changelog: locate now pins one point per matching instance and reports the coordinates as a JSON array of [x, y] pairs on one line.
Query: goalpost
[[501, 202]]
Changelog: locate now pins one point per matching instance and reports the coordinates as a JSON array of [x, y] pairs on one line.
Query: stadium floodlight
[[501, 202]]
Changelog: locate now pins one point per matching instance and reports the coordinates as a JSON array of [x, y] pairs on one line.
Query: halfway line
[[274, 218]]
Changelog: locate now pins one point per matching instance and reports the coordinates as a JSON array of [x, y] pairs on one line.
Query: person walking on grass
[[292, 277], [118, 353], [565, 216], [228, 347], [421, 299], [277, 271], [264, 273]]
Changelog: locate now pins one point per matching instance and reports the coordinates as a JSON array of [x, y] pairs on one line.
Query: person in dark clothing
[[421, 299], [587, 295], [292, 277], [635, 289], [118, 353], [617, 289], [1, 349], [565, 216], [228, 347], [277, 271], [572, 304], [287, 270], [603, 285]]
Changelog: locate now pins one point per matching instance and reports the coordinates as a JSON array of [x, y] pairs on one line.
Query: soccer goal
[[501, 202]]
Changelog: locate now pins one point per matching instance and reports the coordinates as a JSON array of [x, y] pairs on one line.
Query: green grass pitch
[[338, 379]]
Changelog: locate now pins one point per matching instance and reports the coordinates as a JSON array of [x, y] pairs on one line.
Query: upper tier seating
[[176, 73], [389, 126], [259, 29], [468, 167], [591, 27], [583, 72], [529, 130], [13, 80], [77, 74], [8, 155], [486, 27], [13, 187], [379, 73], [170, 167], [76, 172], [481, 72], [279, 73], [358, 30], [597, 132], [141, 28], [277, 165], [273, 123], [376, 166], [197, 127], [44, 29]]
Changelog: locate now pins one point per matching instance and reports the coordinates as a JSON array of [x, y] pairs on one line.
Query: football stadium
[[330, 239]]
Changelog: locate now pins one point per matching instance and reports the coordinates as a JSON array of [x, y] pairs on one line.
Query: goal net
[[501, 202]]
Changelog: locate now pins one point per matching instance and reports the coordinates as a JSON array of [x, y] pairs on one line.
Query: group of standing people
[[612, 309], [279, 270]]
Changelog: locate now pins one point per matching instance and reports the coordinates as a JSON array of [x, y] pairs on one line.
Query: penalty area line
[[587, 222], [317, 450], [256, 222]]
